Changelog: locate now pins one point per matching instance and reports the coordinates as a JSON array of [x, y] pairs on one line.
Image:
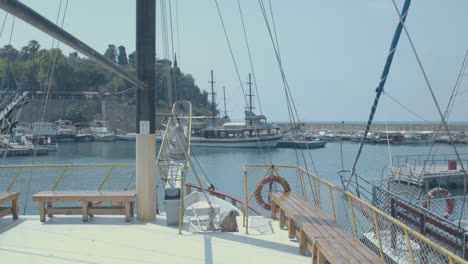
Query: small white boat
[[101, 131]]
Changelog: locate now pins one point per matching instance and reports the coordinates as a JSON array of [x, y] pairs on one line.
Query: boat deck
[[418, 177], [109, 239]]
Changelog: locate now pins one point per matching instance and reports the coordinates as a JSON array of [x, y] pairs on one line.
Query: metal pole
[[213, 106], [146, 137], [33, 18], [224, 96]]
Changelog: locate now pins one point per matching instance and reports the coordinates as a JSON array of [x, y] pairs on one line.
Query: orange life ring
[[449, 202], [269, 180]]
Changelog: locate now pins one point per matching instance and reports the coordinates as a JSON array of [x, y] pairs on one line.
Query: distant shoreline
[[378, 126]]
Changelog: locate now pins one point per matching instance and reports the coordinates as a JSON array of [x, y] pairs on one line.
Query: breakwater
[[123, 116], [378, 126]]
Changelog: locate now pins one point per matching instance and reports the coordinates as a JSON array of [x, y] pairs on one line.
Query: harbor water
[[223, 166]]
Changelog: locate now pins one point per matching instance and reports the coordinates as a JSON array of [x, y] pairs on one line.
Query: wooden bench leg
[[273, 210], [282, 218], [127, 211], [42, 211], [14, 208], [90, 204], [292, 229], [303, 242], [84, 210], [321, 259], [314, 253], [49, 205]]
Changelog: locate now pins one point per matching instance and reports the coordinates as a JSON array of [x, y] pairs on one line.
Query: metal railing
[[389, 238]]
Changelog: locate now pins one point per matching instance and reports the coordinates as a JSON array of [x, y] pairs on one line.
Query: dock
[[23, 151], [432, 171]]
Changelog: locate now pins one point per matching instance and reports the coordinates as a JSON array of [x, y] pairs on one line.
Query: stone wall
[[119, 115]]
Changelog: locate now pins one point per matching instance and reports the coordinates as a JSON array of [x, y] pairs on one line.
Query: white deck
[[108, 239]]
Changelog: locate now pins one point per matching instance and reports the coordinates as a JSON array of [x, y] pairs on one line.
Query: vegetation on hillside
[[32, 68]]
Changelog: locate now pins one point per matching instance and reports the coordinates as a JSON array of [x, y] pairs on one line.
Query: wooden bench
[[87, 199], [318, 233], [13, 209]]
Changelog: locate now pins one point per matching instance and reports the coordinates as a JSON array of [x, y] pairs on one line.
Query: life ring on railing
[[449, 202], [270, 179]]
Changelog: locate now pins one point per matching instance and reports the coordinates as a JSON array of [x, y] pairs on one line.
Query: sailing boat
[[254, 132]]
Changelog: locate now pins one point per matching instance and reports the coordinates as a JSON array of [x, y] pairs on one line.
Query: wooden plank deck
[[318, 233]]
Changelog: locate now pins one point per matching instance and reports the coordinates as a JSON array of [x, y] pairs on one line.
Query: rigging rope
[[405, 107], [230, 50], [1, 34], [238, 75], [51, 68], [253, 74], [250, 57], [446, 115], [383, 79], [292, 110], [165, 37], [429, 86], [177, 32], [173, 70]]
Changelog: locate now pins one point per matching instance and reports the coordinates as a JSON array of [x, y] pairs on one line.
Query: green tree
[[111, 53], [8, 51], [31, 50], [132, 58], [73, 55], [122, 59], [117, 85]]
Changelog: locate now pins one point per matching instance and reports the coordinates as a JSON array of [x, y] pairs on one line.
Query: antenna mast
[[213, 105], [250, 107], [224, 97]]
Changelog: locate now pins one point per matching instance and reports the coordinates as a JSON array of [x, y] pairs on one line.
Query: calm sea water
[[223, 167]]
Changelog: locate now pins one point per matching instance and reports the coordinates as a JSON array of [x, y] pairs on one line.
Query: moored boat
[[253, 133], [301, 144], [66, 132], [101, 131]]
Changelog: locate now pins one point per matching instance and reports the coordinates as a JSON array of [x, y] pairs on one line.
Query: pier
[[377, 126]]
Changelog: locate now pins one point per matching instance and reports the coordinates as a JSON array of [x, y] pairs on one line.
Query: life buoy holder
[[270, 179], [449, 202]]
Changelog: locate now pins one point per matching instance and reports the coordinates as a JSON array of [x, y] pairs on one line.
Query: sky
[[333, 52]]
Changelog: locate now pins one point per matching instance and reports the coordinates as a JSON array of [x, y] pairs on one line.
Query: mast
[[213, 106], [224, 98], [146, 137], [250, 107], [33, 18], [380, 88]]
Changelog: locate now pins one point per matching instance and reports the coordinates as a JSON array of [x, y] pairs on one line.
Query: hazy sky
[[333, 51]]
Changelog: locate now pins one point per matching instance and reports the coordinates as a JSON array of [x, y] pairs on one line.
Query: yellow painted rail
[[390, 239]]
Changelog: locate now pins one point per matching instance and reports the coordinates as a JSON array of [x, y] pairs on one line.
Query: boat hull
[[84, 138], [301, 144], [104, 138], [253, 142], [65, 138], [125, 137]]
